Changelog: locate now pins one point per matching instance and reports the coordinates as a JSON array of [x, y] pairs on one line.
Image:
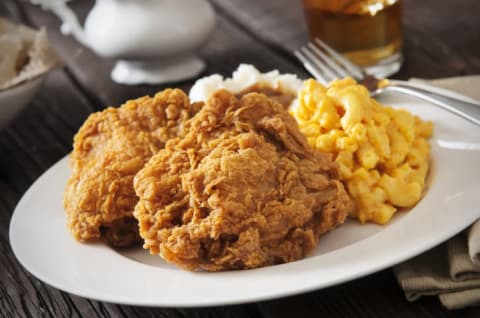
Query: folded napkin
[[450, 271]]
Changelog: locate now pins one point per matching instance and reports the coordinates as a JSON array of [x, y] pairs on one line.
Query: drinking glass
[[369, 32]]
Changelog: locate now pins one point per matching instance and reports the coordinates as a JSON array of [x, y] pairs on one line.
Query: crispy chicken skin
[[108, 150], [242, 189]]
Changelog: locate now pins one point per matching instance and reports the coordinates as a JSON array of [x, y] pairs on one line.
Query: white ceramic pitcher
[[154, 41]]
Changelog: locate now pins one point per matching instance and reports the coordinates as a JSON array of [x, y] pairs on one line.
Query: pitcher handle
[[70, 24]]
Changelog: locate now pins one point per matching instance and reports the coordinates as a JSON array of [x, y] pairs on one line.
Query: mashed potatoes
[[383, 153]]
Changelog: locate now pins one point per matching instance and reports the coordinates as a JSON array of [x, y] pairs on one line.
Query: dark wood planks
[[441, 38], [279, 23], [372, 296]]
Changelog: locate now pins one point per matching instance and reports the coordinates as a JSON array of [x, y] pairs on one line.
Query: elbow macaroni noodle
[[382, 153]]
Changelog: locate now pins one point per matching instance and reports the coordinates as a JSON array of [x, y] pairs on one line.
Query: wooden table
[[441, 40]]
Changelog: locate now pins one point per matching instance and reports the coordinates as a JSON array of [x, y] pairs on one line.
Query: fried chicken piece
[[281, 96], [242, 189], [108, 150]]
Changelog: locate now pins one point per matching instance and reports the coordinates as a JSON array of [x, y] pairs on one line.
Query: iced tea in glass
[[369, 32]]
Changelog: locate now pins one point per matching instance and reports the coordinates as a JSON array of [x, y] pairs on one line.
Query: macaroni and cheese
[[382, 153]]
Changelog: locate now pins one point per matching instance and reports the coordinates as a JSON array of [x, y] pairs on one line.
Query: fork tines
[[326, 64]]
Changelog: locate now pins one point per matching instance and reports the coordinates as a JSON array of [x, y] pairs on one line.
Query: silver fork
[[325, 64]]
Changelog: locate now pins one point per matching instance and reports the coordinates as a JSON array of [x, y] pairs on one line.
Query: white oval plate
[[42, 243]]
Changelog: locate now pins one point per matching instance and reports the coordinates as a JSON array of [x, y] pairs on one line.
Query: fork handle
[[467, 110]]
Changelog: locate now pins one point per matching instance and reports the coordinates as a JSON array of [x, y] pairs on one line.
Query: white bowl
[[15, 99]]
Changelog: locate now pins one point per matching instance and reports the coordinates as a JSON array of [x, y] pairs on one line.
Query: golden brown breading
[[278, 94], [242, 189], [108, 150]]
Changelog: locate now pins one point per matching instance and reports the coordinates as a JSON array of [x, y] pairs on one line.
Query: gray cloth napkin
[[450, 271]]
